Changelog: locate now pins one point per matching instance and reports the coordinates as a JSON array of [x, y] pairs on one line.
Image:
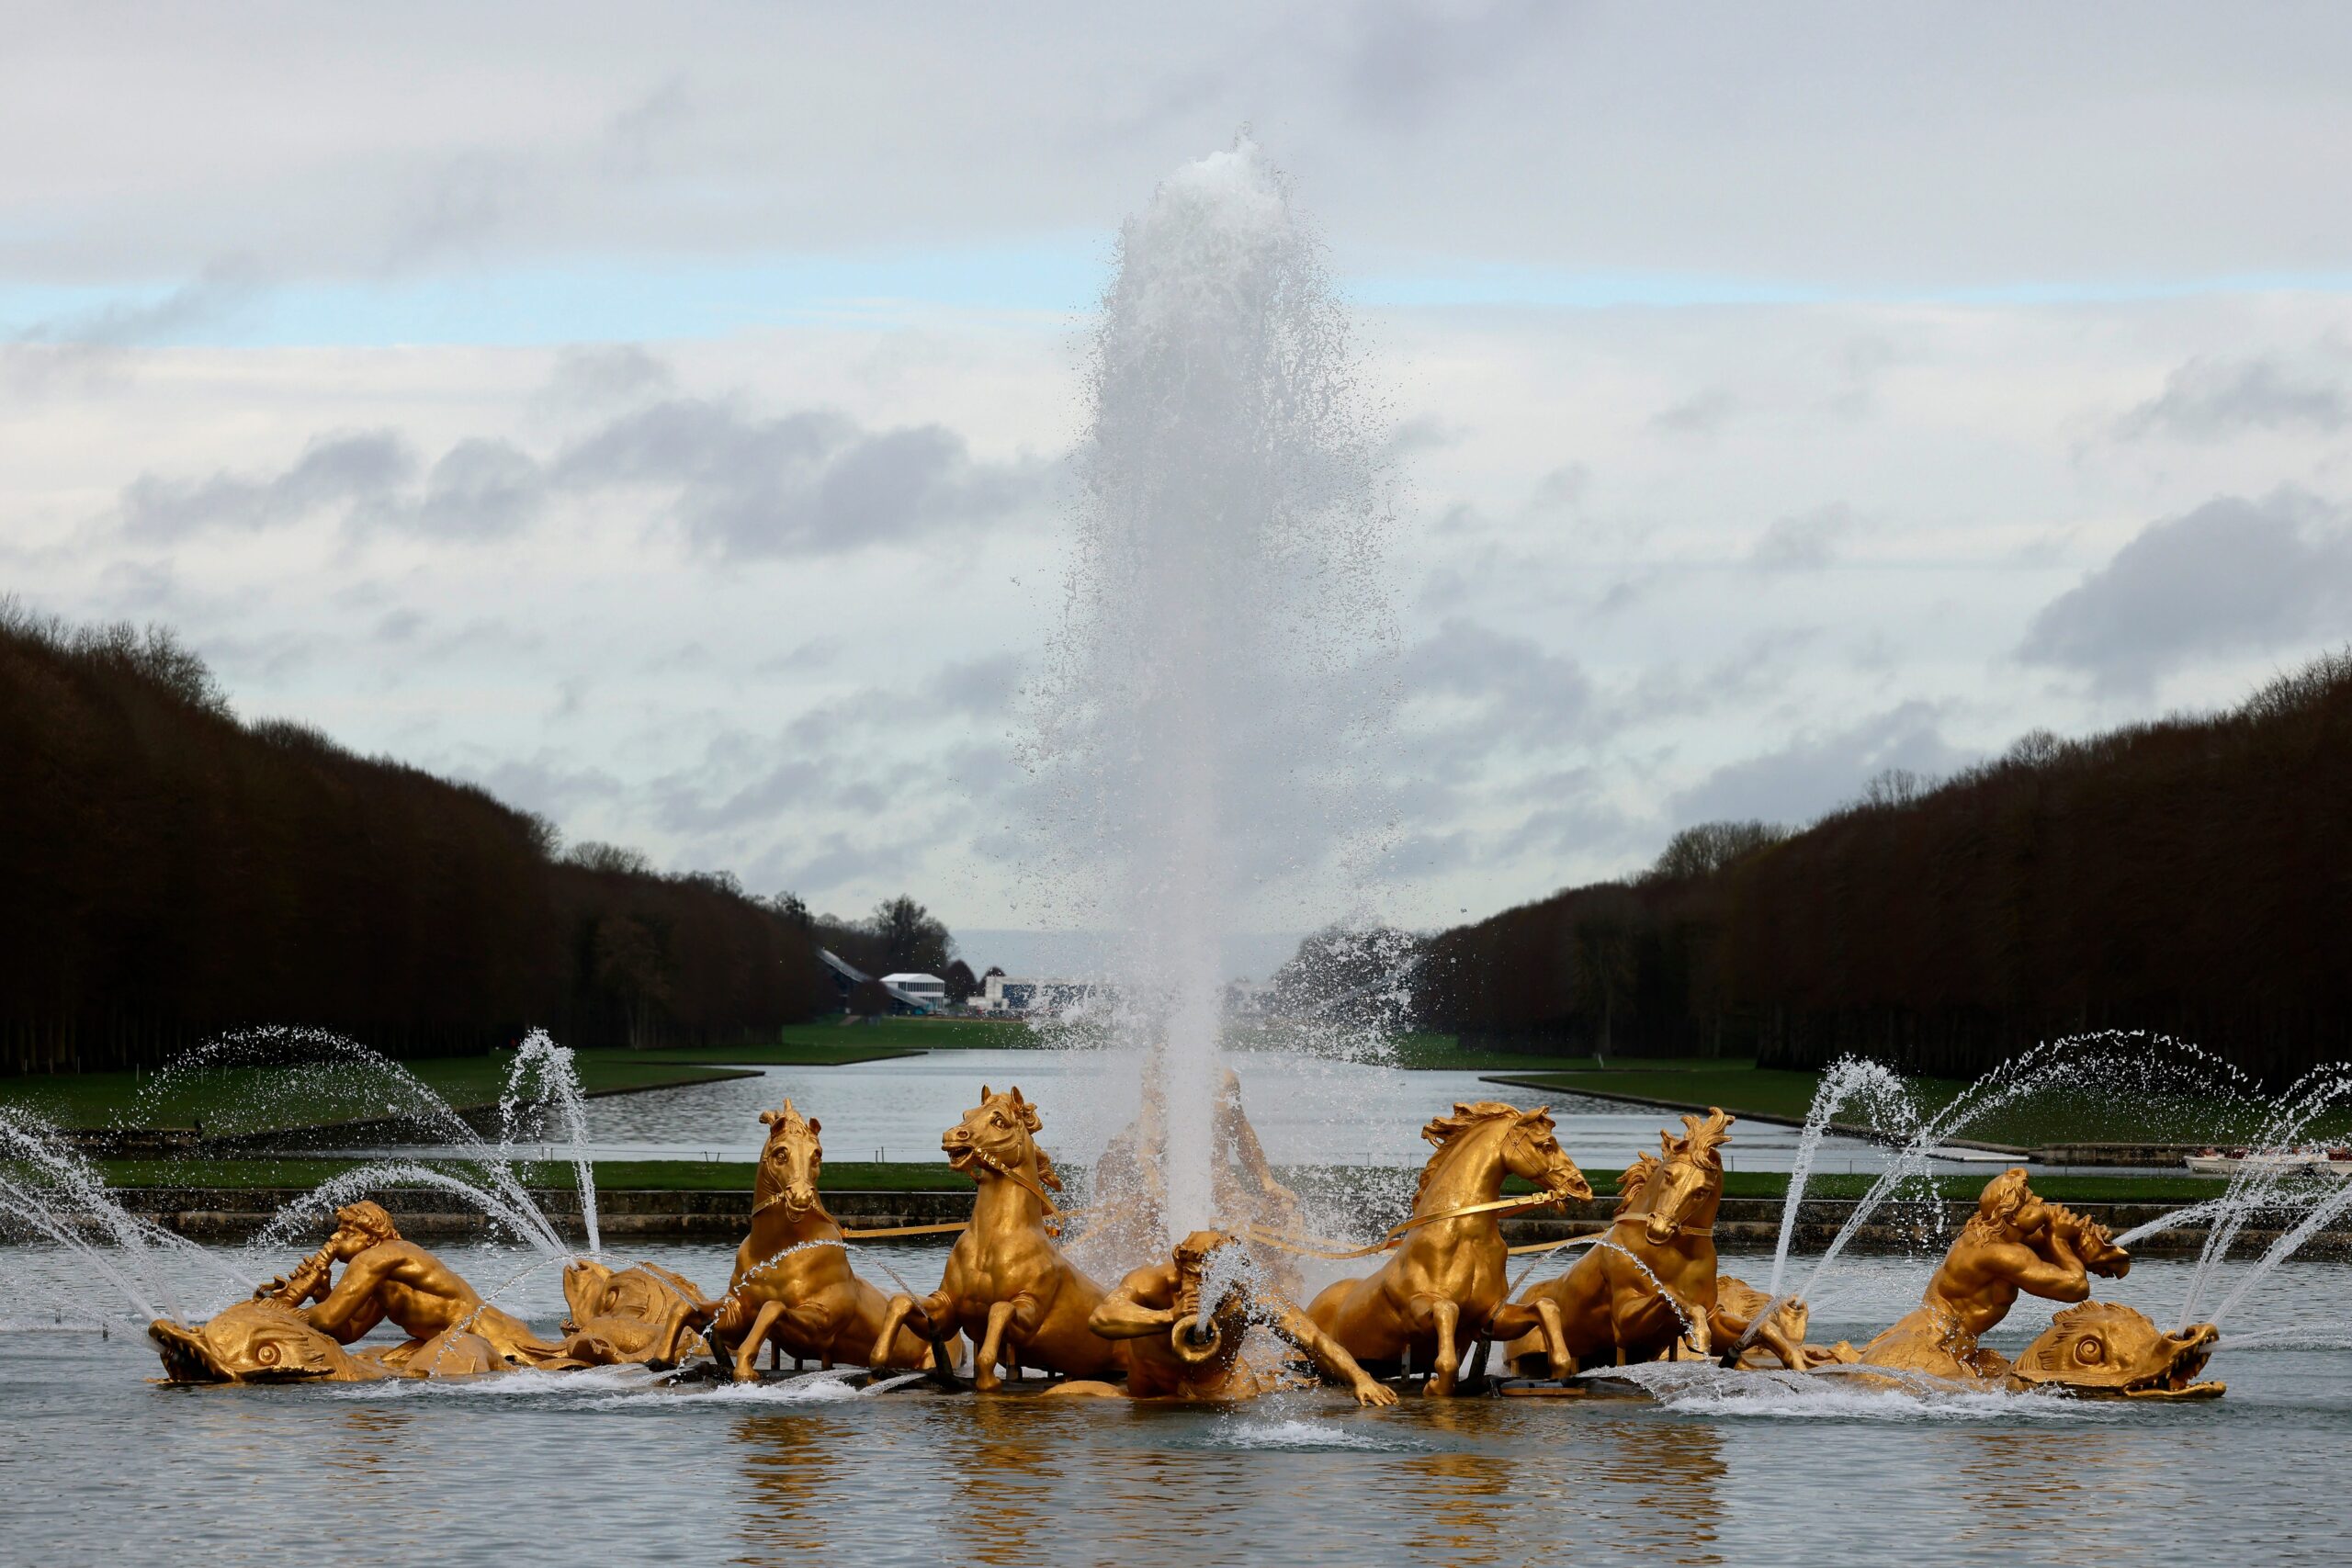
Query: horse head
[[998, 1136], [788, 1162], [1689, 1182], [1527, 1147], [1532, 1151]]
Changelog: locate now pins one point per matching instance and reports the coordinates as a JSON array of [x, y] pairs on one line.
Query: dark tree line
[[2191, 876], [169, 873]]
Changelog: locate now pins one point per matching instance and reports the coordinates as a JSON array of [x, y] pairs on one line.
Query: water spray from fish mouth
[[1200, 725]]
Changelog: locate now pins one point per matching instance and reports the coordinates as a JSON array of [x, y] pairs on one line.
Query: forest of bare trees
[[2191, 876], [172, 873]]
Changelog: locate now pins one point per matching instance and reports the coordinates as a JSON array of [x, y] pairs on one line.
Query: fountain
[[1208, 691]]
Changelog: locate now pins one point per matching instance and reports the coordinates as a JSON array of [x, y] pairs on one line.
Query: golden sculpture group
[[1646, 1288]]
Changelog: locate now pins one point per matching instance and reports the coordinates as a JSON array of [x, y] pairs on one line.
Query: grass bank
[[256, 1100], [2036, 1122]]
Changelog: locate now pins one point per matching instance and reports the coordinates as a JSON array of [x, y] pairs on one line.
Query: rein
[[1395, 1235], [1686, 1228], [1054, 1214]]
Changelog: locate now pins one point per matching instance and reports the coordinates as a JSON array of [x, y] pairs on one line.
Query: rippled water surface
[[97, 1465], [1307, 1110]]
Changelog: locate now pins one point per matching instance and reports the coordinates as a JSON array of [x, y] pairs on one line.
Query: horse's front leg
[[932, 1318], [747, 1350], [1729, 1329], [984, 1376], [1540, 1316], [1444, 1316]]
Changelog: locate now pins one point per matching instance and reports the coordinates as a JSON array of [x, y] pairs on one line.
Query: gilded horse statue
[[1445, 1285], [790, 1289], [1008, 1286], [1650, 1290]]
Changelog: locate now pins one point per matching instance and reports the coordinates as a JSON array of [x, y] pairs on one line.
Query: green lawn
[[2034, 1121], [254, 1100]]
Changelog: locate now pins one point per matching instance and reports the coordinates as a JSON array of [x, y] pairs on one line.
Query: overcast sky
[[659, 414]]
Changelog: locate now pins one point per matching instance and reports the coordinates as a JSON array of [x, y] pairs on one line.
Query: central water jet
[[1206, 702]]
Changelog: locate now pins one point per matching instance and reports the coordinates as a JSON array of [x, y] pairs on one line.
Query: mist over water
[[1202, 726]]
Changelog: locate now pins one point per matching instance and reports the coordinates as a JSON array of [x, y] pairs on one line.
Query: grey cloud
[[843, 860], [1805, 542], [1422, 433], [978, 685], [545, 782], [458, 204], [814, 654], [602, 376], [807, 483], [1406, 57], [1757, 669], [744, 488], [1531, 687], [479, 490], [345, 469], [785, 789], [1698, 416], [401, 626], [138, 584], [224, 287], [1816, 773], [2208, 399], [2233, 574]]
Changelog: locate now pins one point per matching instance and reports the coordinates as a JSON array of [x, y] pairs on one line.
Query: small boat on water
[[2230, 1162]]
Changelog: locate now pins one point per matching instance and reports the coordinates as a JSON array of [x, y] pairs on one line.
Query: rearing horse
[[1008, 1286], [1445, 1285], [808, 1302], [1651, 1286]]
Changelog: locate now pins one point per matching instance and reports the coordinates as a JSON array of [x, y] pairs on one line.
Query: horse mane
[[1703, 1138], [1441, 1132], [1635, 1180]]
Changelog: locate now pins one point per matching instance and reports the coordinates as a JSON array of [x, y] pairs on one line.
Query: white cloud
[[754, 592]]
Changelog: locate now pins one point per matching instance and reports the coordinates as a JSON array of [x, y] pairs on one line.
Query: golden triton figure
[[386, 1277], [1008, 1286], [1443, 1288], [2015, 1245], [790, 1288], [641, 1314], [1180, 1347]]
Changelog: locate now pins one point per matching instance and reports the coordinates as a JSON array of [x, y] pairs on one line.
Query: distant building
[[847, 977], [927, 989], [1021, 995]]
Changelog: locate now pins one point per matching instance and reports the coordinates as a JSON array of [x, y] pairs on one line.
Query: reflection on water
[[507, 1472]]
